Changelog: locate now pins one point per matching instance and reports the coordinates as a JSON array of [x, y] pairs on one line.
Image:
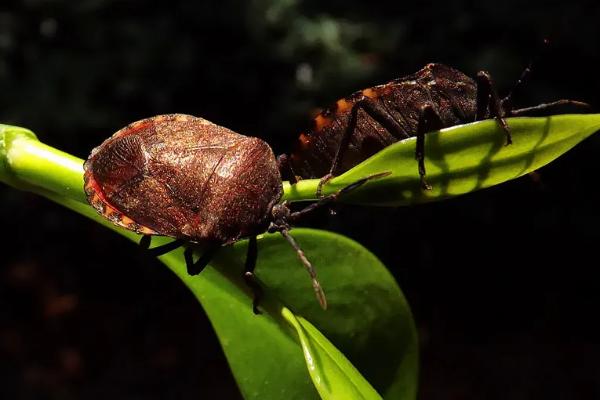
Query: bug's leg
[[326, 200], [341, 149], [376, 111], [194, 268], [489, 104], [285, 169], [429, 120], [249, 276], [165, 248], [145, 241], [546, 106], [188, 255], [309, 268]]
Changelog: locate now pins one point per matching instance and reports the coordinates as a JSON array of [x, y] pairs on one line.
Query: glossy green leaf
[[459, 160], [368, 319], [333, 375]]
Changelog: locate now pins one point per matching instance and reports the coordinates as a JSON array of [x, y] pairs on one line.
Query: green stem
[[32, 165]]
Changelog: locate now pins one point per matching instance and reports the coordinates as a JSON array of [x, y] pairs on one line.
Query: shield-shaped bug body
[[187, 178], [184, 177]]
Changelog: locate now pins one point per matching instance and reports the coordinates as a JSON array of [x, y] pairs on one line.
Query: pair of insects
[[187, 178]]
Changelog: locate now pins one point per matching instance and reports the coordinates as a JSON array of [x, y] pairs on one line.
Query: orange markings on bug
[[97, 200], [321, 122], [343, 105], [370, 93], [304, 140], [109, 211], [125, 220], [146, 230]]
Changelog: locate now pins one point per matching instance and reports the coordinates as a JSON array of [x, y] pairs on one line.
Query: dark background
[[502, 282]]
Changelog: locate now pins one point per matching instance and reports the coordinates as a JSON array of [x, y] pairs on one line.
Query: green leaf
[[333, 375], [368, 319], [458, 160]]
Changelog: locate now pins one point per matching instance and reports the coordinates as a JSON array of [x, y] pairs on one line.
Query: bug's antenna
[[507, 100], [282, 217], [546, 106], [311, 271]]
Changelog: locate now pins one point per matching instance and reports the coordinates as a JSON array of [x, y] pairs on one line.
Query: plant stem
[[32, 165]]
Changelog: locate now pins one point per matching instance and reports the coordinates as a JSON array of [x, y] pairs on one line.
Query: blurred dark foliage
[[503, 282]]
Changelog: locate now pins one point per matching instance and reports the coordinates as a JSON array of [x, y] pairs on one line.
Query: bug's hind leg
[[429, 120], [489, 104], [249, 276], [376, 111], [194, 268]]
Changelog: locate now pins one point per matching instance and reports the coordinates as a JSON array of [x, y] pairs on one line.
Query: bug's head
[[280, 216]]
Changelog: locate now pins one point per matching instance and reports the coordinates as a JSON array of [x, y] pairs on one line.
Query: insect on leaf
[[368, 319], [459, 160]]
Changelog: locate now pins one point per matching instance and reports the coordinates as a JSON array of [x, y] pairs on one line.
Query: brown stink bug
[[187, 178], [362, 124]]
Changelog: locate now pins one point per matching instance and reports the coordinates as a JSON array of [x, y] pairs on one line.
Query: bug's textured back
[[452, 93], [185, 177]]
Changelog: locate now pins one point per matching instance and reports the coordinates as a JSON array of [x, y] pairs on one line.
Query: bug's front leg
[[429, 120], [249, 276], [376, 111], [489, 104]]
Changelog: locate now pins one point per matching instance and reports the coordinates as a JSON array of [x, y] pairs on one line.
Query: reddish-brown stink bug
[[362, 124], [187, 178]]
